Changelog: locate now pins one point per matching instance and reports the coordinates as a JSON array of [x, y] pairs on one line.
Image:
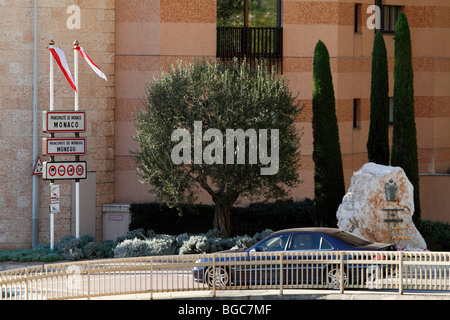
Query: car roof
[[330, 231]]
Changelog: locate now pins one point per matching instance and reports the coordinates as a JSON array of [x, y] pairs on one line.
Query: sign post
[[54, 208], [77, 182], [52, 107], [63, 122]]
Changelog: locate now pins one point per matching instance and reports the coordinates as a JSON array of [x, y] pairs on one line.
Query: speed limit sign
[[64, 170]]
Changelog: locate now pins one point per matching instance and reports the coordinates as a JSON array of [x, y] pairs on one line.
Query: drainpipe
[[35, 195]]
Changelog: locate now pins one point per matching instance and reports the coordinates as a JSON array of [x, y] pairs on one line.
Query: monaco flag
[[90, 63], [60, 58]]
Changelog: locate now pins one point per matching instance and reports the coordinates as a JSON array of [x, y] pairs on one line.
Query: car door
[[301, 248], [266, 269]]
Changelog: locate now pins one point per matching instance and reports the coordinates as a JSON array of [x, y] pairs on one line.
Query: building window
[[356, 113], [391, 111], [358, 18], [389, 17], [249, 13], [251, 30]]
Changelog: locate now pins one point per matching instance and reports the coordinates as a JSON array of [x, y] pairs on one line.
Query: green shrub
[[106, 249], [195, 244], [92, 250], [52, 257], [130, 235], [70, 247], [436, 234], [131, 248], [196, 219], [209, 243]]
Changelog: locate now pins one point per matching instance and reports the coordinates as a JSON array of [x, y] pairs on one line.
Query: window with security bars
[[251, 30], [389, 15]]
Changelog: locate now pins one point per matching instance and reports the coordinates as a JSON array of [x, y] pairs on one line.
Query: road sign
[[54, 208], [37, 171], [54, 193], [64, 146], [65, 170], [64, 121]]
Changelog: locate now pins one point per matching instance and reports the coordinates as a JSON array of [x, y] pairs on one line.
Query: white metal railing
[[380, 270]]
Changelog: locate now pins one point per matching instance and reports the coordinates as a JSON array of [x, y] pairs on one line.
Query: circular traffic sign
[[61, 170], [70, 170], [80, 170], [52, 171]]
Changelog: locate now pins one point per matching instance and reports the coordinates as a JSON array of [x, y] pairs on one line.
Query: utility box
[[116, 219]]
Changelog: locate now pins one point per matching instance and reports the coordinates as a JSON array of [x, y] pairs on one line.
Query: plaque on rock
[[379, 206], [390, 189]]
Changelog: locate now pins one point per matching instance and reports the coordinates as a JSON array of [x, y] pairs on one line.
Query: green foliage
[[230, 13], [262, 13], [378, 142], [329, 187], [208, 242], [162, 218], [196, 219], [40, 253], [436, 234], [404, 140], [221, 96]]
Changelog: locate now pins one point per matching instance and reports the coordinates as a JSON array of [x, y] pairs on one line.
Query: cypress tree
[[404, 143], [329, 187], [378, 142]]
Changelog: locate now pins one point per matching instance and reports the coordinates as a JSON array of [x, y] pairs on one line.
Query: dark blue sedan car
[[297, 245]]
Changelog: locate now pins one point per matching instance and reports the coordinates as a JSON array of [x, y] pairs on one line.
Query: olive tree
[[226, 129]]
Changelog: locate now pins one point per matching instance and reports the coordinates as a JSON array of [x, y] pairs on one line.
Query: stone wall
[[96, 35], [150, 35]]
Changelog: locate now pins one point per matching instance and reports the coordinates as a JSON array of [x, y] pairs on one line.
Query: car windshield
[[352, 239]]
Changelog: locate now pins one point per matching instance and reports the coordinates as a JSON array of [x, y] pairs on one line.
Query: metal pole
[[400, 273], [35, 190], [341, 273], [77, 183], [52, 100], [52, 107], [52, 226]]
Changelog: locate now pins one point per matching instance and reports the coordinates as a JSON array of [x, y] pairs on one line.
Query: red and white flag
[[60, 58], [91, 64]]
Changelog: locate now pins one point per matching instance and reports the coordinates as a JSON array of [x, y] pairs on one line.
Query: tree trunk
[[222, 220]]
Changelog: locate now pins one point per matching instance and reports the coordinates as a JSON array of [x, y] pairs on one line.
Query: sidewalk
[[266, 295]]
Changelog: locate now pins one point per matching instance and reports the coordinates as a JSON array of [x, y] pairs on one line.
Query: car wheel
[[333, 277], [218, 278]]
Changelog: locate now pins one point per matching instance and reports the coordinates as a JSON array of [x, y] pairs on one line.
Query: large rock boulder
[[379, 206]]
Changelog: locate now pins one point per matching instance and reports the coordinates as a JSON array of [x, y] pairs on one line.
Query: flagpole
[[52, 102], [52, 107], [77, 182]]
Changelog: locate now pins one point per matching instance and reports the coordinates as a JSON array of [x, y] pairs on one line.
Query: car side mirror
[[253, 250]]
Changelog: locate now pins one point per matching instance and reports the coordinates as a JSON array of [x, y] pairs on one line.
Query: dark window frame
[[357, 28], [356, 113], [391, 10]]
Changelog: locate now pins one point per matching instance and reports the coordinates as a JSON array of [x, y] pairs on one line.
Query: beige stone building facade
[[132, 40]]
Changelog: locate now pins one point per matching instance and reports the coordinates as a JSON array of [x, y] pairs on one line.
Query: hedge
[[197, 219]]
